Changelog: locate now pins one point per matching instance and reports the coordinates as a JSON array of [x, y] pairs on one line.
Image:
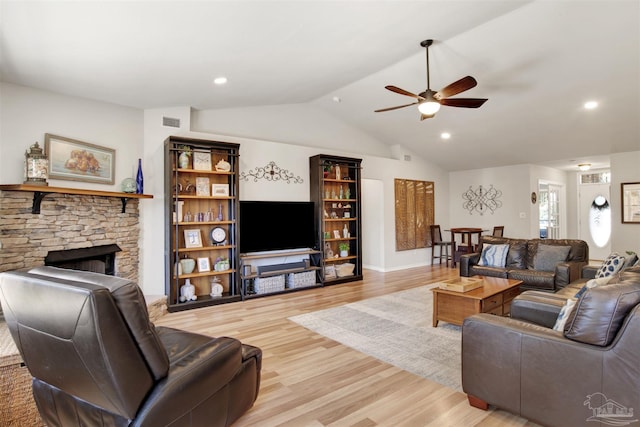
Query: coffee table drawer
[[510, 294], [492, 302]]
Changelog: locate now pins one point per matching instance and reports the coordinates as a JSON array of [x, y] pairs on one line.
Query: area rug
[[396, 329]]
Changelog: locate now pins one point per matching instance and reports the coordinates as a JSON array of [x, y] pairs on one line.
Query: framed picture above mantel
[[74, 160]]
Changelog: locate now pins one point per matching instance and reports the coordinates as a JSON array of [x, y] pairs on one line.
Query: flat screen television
[[276, 225]]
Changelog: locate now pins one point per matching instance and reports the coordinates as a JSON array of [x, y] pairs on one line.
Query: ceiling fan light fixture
[[584, 166], [429, 107]]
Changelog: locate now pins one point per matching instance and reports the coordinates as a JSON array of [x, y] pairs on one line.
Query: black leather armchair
[[97, 360]]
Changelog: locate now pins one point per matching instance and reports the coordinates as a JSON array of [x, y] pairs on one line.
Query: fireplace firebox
[[98, 259]]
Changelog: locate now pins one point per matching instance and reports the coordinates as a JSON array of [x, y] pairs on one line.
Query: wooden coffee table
[[493, 297]]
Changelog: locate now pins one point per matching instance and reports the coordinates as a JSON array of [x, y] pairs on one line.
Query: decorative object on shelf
[[341, 195], [220, 217], [329, 272], [223, 166], [187, 265], [345, 231], [326, 170], [203, 265], [74, 160], [184, 158], [344, 270], [36, 166], [188, 292], [128, 185], [271, 172], [192, 237], [481, 199], [534, 197], [219, 190], [328, 252], [347, 193], [222, 264], [139, 179], [216, 287], [344, 249], [202, 186], [201, 160], [218, 235], [338, 172]]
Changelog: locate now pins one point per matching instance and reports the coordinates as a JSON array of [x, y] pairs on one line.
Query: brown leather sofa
[[522, 259], [97, 360], [586, 374]]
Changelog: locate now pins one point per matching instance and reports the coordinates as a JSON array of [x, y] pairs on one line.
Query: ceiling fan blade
[[402, 92], [394, 108], [426, 116], [457, 87], [463, 102]]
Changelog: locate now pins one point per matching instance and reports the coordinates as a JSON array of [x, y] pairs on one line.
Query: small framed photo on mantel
[[201, 160]]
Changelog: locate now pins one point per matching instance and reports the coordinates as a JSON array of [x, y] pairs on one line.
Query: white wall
[[516, 184], [625, 167], [26, 114]]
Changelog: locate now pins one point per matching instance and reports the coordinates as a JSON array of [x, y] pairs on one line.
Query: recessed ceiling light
[[220, 80], [336, 99], [590, 105], [445, 135]]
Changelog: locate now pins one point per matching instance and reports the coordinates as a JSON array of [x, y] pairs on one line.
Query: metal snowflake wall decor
[[481, 200], [271, 172]]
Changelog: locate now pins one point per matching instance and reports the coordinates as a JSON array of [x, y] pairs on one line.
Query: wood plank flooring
[[309, 380]]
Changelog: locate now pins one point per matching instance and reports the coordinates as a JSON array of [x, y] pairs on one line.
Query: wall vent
[[407, 158], [171, 122]]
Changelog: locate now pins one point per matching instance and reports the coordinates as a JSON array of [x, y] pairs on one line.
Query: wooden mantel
[[40, 191]]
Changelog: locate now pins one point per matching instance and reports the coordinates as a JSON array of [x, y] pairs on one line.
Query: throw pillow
[[630, 260], [564, 314], [493, 255], [548, 256], [611, 265]]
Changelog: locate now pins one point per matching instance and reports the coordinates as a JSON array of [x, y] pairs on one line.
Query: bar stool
[[436, 241]]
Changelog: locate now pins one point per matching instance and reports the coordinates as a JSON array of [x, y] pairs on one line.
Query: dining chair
[[436, 241], [498, 231]]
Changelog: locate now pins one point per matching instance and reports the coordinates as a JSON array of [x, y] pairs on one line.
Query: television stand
[[258, 284]]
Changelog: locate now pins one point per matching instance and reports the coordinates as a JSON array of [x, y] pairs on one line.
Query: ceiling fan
[[429, 102]]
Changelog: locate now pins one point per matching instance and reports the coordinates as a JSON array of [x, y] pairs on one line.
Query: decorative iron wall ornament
[[482, 200], [271, 172]]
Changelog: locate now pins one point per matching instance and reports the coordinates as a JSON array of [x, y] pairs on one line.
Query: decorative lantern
[[37, 166]]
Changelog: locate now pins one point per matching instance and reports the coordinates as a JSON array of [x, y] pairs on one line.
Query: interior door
[[595, 219]]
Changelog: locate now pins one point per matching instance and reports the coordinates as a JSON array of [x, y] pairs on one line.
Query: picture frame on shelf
[[192, 238], [220, 190], [204, 265], [201, 160], [336, 234], [202, 187], [73, 160], [330, 272]]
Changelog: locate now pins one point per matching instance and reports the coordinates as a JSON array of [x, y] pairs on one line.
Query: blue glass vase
[[139, 179]]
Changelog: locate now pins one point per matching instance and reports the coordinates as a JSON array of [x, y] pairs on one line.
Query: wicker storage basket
[[301, 280], [17, 407], [266, 285]]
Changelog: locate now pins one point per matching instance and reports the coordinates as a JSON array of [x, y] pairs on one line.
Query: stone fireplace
[[80, 224]]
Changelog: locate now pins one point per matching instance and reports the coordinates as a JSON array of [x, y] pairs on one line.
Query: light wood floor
[[309, 380]]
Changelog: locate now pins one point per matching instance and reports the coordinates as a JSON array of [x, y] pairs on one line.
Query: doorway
[[594, 213], [550, 210]]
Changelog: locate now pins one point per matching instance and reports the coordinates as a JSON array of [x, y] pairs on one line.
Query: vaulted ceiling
[[536, 61]]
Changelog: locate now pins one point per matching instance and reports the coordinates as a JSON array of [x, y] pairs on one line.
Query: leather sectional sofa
[[522, 258], [585, 373]]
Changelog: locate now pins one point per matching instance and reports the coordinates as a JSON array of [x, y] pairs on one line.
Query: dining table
[[467, 245]]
